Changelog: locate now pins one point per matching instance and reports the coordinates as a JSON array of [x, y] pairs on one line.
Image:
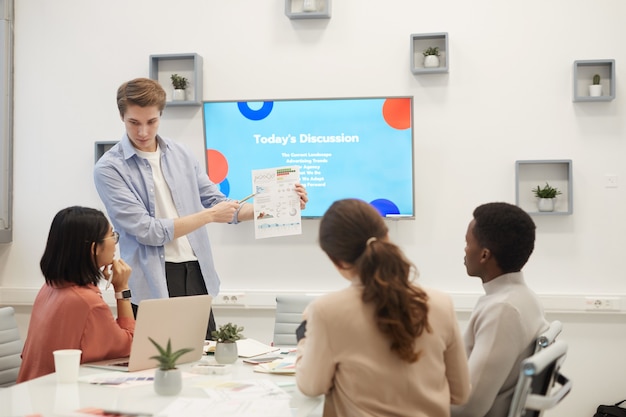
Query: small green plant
[[546, 192], [227, 333], [179, 82], [596, 79], [166, 358], [431, 50]]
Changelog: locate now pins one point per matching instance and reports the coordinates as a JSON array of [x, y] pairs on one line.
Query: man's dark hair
[[507, 231]]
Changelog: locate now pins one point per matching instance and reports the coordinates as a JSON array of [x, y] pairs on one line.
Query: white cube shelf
[[584, 71], [307, 9], [186, 65], [420, 42], [532, 173]]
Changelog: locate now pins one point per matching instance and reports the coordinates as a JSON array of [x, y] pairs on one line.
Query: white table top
[[45, 397]]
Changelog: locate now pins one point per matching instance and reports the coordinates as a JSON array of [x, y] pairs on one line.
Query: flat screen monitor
[[344, 148]]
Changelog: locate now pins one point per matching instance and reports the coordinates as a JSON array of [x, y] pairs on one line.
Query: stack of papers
[[285, 366], [247, 348]]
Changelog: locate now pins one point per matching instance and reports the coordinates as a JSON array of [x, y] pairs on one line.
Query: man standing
[[159, 200], [507, 320]]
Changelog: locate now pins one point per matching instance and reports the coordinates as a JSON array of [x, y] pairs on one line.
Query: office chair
[[289, 310], [549, 336], [10, 347], [536, 388]]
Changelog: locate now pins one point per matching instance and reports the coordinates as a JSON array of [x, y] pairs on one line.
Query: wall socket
[[233, 299], [610, 181], [602, 303]]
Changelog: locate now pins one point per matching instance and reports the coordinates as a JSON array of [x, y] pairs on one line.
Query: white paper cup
[[66, 364]]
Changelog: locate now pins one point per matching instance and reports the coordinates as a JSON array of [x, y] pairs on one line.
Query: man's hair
[[507, 231], [142, 92]]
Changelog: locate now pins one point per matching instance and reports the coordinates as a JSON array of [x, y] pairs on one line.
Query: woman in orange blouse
[[69, 312]]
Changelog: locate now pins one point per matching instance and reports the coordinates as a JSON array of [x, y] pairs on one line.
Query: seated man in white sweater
[[507, 320]]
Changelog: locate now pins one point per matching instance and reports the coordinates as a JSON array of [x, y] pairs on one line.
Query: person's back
[[383, 346], [72, 317], [503, 328], [370, 380]]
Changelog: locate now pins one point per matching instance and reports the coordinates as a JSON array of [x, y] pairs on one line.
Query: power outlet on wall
[[232, 299], [602, 303]]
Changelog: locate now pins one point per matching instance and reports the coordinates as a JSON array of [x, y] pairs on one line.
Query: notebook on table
[[184, 320]]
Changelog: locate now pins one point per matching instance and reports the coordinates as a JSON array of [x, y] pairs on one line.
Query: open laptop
[[183, 319]]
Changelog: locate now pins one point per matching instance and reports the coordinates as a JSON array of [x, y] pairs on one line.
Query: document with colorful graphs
[[276, 203]]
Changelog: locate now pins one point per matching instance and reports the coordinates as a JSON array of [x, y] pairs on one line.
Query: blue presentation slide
[[345, 148]]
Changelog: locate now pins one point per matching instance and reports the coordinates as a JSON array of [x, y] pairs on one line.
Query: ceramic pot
[[168, 382], [545, 204], [226, 352], [431, 61], [179, 95], [595, 90]]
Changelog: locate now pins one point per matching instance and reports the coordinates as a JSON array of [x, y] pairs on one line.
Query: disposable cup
[[66, 364]]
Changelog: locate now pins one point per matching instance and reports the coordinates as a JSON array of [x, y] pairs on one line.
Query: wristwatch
[[124, 295]]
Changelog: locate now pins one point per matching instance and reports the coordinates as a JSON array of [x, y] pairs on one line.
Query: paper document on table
[[246, 348], [285, 366], [249, 398], [276, 203]]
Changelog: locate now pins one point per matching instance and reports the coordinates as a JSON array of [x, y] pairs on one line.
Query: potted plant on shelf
[[180, 84], [431, 57], [167, 378], [546, 196], [226, 337], [595, 89]]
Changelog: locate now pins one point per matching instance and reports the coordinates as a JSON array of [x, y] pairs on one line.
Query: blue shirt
[[126, 187]]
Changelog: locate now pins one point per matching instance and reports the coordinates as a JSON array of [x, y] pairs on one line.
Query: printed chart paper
[[276, 203]]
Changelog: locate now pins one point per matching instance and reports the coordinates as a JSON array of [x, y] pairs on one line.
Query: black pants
[[185, 279]]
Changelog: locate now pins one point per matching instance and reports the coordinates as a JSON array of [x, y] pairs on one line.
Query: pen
[[247, 198]]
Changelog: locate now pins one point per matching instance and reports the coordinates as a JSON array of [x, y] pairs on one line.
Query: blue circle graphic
[[259, 114], [385, 207], [225, 187]]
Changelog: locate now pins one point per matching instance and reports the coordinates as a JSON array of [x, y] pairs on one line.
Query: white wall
[[507, 97]]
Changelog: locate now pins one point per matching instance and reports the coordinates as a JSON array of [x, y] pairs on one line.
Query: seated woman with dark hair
[[69, 311], [383, 346]]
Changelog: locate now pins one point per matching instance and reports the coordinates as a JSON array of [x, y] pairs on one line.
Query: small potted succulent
[[180, 83], [546, 196], [431, 57], [167, 378], [226, 337], [595, 89]]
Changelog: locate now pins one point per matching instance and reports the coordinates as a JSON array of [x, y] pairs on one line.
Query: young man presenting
[[159, 200]]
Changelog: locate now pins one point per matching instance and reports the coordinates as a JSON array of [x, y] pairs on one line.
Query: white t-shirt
[[178, 250]]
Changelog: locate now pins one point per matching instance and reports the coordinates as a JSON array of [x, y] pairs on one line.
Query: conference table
[[236, 391]]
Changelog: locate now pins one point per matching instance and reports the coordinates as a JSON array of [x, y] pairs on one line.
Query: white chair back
[[289, 310], [541, 385], [10, 347]]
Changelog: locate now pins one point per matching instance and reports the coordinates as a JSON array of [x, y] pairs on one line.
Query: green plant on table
[[228, 332], [166, 358]]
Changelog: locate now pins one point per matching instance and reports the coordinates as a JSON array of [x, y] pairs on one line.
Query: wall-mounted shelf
[[307, 9], [583, 76], [532, 173], [101, 147], [419, 43], [186, 65]]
